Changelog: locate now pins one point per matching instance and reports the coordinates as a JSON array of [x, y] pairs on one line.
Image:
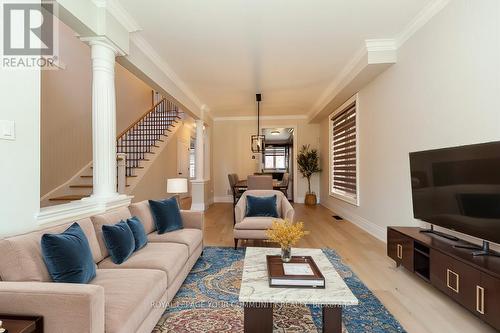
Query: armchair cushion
[[166, 214], [68, 256], [261, 206]]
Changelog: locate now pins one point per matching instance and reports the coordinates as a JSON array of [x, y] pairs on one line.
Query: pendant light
[[258, 140]]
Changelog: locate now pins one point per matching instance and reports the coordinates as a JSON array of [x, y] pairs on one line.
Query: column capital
[[104, 41]]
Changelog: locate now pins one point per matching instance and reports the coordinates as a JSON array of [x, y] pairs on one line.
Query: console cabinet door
[[454, 278], [400, 249], [488, 300]]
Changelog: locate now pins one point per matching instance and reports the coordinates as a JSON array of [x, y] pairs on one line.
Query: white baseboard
[[224, 198], [370, 227]]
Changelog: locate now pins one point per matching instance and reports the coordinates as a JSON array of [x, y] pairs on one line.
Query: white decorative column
[[198, 185], [200, 145], [103, 53]]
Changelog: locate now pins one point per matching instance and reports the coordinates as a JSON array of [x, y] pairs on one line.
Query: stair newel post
[[121, 170]]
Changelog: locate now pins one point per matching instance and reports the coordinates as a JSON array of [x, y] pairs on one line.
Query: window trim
[[349, 199]]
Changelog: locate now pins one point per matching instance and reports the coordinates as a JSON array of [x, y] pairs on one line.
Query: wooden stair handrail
[[140, 119]]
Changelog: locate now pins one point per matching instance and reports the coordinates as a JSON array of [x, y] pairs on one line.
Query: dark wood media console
[[473, 282]]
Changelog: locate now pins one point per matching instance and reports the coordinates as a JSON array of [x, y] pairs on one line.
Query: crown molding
[[374, 45], [151, 53], [122, 15], [119, 13], [246, 118], [369, 61], [424, 16], [373, 52]]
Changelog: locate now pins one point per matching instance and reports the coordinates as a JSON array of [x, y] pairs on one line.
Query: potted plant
[[308, 164]]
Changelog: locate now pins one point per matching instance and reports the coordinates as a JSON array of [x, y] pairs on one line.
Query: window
[[344, 152], [275, 157]]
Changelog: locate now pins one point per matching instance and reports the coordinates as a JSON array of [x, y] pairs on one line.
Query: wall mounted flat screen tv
[[459, 189]]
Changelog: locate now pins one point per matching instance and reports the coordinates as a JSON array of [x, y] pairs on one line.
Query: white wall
[[443, 91], [232, 152], [20, 159]]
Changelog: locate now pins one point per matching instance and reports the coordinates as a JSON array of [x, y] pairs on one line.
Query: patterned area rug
[[208, 301]]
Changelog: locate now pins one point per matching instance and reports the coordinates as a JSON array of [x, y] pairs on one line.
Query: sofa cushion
[[190, 237], [112, 217], [68, 256], [166, 214], [261, 206], [140, 237], [143, 212], [21, 256], [255, 223], [168, 257], [119, 241], [129, 295]]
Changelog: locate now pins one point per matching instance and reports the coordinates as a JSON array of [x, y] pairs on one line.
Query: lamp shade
[[177, 185]]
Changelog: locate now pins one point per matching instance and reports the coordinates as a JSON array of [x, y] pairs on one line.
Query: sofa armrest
[[65, 307], [192, 219], [287, 210]]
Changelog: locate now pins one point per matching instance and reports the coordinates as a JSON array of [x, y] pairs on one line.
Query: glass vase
[[286, 254]]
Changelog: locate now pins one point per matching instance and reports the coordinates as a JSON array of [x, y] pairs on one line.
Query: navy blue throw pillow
[[119, 241], [68, 256], [140, 237], [261, 206], [166, 214]]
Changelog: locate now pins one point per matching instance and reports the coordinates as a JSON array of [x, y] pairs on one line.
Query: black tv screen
[[459, 189]]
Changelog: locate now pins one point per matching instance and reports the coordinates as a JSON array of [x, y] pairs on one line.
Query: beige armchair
[[255, 227]]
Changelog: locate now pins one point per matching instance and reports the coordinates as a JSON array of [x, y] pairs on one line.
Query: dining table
[[243, 184]]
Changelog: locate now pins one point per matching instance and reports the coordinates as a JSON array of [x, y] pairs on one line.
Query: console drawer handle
[[480, 299], [400, 251], [457, 279]]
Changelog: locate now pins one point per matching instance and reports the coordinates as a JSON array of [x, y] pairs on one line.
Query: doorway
[[278, 158]]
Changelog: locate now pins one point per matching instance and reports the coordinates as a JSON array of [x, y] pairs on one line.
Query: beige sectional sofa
[[130, 297]]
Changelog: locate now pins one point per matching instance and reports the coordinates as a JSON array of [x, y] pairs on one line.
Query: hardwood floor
[[419, 307]]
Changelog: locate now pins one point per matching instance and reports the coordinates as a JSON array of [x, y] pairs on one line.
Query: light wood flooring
[[419, 307]]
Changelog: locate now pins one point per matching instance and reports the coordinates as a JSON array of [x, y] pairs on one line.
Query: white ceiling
[[290, 50]]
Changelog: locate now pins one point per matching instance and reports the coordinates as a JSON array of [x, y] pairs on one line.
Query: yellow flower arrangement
[[286, 233]]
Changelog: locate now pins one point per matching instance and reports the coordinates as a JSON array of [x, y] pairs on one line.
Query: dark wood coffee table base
[[22, 324], [258, 318]]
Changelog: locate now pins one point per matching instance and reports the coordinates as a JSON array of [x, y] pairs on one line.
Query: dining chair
[[283, 187], [259, 183], [233, 179]]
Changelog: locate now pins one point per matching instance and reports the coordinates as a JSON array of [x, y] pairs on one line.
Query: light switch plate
[[7, 130]]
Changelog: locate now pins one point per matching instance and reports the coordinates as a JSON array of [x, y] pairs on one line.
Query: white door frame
[[295, 135]]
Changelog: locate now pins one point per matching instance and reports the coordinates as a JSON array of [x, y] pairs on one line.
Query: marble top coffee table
[[258, 298]]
